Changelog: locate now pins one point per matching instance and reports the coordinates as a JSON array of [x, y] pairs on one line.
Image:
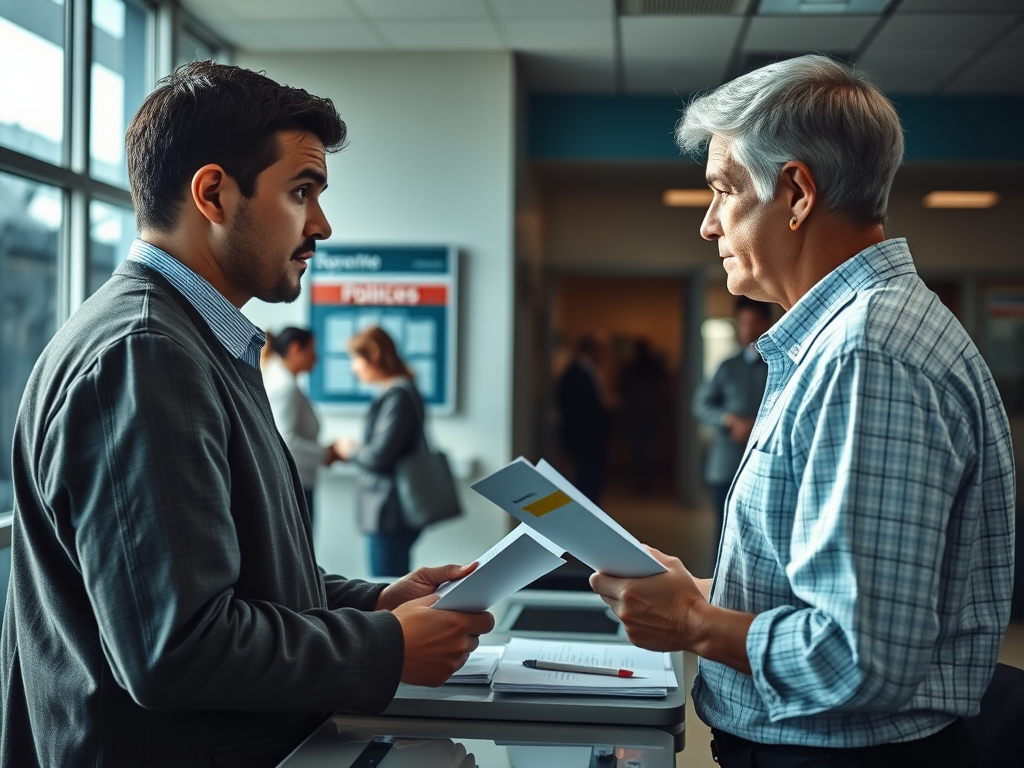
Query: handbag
[[424, 482]]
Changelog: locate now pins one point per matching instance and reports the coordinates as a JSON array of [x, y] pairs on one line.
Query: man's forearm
[[721, 634]]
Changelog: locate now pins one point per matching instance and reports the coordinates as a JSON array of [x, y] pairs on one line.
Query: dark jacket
[[393, 430], [584, 416], [165, 607]]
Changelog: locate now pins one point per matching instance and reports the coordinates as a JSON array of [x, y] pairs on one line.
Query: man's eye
[[302, 192]]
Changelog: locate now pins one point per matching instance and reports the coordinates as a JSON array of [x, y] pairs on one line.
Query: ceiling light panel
[[687, 198], [821, 7], [683, 7], [946, 198], [813, 33]]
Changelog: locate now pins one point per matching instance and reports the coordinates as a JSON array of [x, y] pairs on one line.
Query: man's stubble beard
[[263, 275]]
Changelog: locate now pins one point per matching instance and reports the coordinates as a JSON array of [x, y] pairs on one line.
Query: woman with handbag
[[394, 430]]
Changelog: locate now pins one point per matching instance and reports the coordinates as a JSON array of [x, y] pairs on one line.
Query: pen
[[556, 666]]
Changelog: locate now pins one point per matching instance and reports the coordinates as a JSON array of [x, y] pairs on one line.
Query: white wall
[[431, 159]]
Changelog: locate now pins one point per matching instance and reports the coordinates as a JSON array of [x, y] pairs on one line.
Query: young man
[[165, 606], [863, 583]]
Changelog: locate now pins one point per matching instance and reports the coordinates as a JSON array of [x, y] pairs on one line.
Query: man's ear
[[214, 192], [800, 189]]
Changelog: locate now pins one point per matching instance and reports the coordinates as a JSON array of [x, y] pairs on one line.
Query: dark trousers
[[952, 747], [389, 552], [591, 472]]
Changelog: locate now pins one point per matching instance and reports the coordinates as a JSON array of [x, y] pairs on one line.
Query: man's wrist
[[720, 634]]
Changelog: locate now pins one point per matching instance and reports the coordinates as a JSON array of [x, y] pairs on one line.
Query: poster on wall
[[408, 290]]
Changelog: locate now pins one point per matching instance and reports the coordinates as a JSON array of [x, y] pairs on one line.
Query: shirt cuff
[[759, 638]]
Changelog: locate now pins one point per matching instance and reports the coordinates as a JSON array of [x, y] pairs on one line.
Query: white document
[[480, 666], [652, 671], [518, 559], [547, 502]]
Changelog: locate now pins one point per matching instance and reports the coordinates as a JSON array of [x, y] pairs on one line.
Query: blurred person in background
[[584, 405], [642, 390], [729, 401], [394, 428], [293, 351]]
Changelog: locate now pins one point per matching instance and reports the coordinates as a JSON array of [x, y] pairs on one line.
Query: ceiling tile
[[561, 35], [592, 72], [554, 9], [911, 71], [690, 34], [677, 74], [447, 35], [247, 35], [997, 72], [393, 10], [963, 6], [922, 32], [1013, 41], [817, 33], [326, 36], [208, 12], [258, 10]]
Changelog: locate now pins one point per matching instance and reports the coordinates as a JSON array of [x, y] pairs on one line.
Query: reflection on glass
[[31, 219], [111, 232], [32, 77], [119, 83], [192, 48]]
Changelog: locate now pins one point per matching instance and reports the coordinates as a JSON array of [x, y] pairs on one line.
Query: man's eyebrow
[[313, 174]]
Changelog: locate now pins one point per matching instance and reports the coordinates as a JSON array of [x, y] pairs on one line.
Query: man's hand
[[739, 428], [437, 643], [670, 612], [655, 610], [420, 583]]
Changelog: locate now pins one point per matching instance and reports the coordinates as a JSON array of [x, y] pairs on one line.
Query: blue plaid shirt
[[240, 337], [870, 525]]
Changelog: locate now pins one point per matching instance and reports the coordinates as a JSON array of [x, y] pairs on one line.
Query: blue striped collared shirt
[[870, 525], [240, 337]]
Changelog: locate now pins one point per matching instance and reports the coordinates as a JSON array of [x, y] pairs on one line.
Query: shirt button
[[794, 350]]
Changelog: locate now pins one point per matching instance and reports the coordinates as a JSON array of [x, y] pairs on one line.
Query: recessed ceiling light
[[952, 198], [687, 198], [822, 7]]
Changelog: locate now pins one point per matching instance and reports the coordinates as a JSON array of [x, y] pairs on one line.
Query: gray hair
[[814, 110]]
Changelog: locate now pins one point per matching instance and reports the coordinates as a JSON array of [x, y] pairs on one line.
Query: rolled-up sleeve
[[877, 456]]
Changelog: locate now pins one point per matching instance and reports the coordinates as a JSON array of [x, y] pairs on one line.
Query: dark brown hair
[[375, 346], [206, 113]]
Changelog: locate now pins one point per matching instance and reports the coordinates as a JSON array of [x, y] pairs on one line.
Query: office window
[[120, 81], [31, 229], [111, 231], [32, 92], [67, 222]]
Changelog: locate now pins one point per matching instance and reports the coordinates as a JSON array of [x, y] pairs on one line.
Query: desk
[[342, 738], [479, 703]]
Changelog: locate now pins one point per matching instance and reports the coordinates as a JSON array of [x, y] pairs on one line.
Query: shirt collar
[[235, 331], [793, 334]]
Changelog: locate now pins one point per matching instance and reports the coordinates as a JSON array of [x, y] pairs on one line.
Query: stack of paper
[[652, 671], [481, 666], [547, 502], [519, 558]]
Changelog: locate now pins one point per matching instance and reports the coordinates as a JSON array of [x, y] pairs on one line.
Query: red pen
[[556, 666]]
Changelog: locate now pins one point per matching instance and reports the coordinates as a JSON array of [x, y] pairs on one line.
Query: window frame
[[166, 22]]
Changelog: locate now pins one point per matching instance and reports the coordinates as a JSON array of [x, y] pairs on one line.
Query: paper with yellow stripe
[[540, 497]]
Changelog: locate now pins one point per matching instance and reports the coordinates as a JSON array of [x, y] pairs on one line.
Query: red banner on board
[[380, 294]]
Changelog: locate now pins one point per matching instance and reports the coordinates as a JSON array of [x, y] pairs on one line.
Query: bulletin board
[[408, 290]]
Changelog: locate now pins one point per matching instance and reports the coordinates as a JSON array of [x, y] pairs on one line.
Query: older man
[[864, 580]]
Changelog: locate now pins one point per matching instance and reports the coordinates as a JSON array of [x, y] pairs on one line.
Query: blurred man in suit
[[583, 403]]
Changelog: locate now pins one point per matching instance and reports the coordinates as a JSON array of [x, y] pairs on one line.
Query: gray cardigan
[[296, 421], [737, 387], [165, 606], [393, 430]]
